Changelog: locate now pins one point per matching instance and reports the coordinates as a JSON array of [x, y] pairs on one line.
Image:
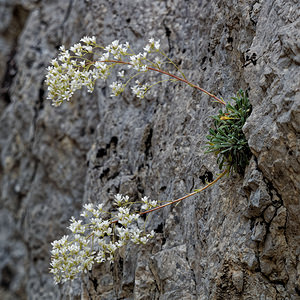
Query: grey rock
[[258, 201], [250, 259], [274, 253], [238, 239], [259, 195], [259, 230], [269, 213], [166, 264], [237, 279]]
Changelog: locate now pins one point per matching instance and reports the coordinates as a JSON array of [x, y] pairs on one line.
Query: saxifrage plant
[[227, 139], [98, 234]]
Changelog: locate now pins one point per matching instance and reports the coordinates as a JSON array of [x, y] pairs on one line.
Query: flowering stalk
[[174, 76], [72, 71], [96, 237]]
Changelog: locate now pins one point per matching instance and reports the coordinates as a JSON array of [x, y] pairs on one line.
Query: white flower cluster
[[96, 238], [152, 45], [140, 89], [117, 88], [73, 69], [148, 203], [137, 62], [117, 50]]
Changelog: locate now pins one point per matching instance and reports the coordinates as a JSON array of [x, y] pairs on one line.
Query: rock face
[[238, 240]]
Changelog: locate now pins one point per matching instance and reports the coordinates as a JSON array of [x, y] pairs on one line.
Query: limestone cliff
[[237, 240]]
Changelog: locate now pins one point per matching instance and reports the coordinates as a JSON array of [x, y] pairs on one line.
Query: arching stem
[[171, 75], [184, 197]]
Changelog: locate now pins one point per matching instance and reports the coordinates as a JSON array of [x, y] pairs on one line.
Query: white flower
[[152, 45], [77, 49], [123, 233], [89, 49], [151, 234], [89, 207], [116, 49], [117, 88], [54, 252], [137, 61], [147, 203], [157, 44], [126, 198], [76, 226], [123, 212], [100, 256], [140, 90], [111, 247], [73, 249], [115, 44], [144, 68], [88, 40], [148, 48], [54, 63], [157, 61], [63, 240], [100, 207], [143, 240], [88, 263], [121, 74], [120, 243], [151, 41], [64, 57], [118, 199]]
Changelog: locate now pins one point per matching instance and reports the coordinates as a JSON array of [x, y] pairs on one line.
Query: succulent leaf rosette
[[226, 139]]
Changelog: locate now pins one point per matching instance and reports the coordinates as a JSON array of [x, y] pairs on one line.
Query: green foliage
[[227, 139]]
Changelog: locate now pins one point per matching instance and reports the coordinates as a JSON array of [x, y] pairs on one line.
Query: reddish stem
[[171, 75], [189, 83]]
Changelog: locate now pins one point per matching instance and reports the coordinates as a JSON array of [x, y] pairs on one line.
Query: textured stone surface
[[238, 240]]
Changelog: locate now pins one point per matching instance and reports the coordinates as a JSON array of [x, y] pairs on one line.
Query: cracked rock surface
[[239, 239]]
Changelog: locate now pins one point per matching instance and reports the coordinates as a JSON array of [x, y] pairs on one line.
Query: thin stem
[[157, 83], [171, 75], [135, 75], [186, 196], [189, 83], [171, 61]]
